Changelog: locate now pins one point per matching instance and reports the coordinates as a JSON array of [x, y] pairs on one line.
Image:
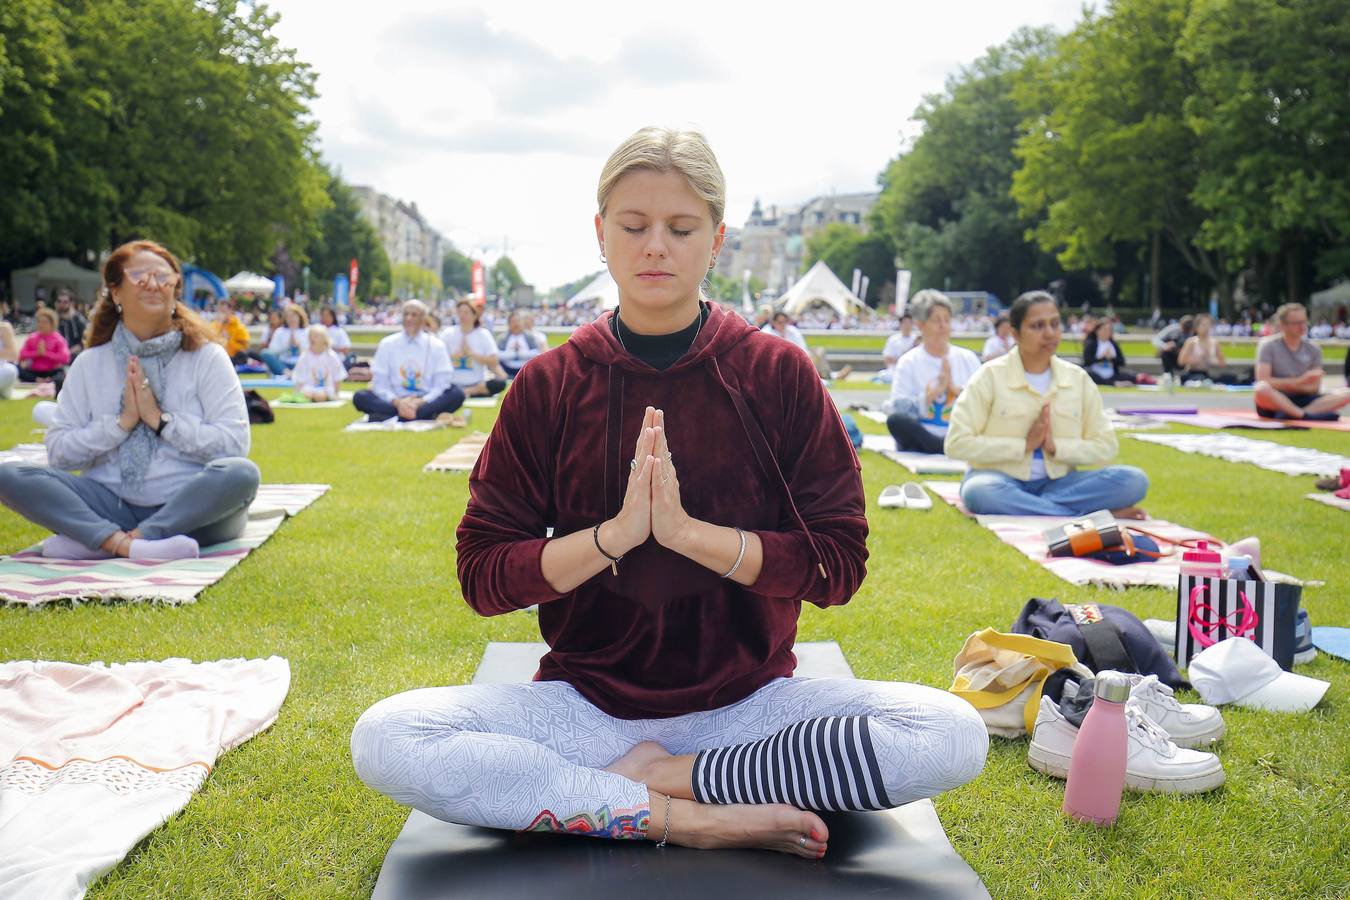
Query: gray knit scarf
[[138, 449]]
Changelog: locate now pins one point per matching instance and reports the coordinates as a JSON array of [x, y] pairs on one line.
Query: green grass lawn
[[359, 593]]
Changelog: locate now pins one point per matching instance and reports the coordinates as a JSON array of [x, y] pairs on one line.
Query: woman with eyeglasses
[[153, 418], [1028, 420]]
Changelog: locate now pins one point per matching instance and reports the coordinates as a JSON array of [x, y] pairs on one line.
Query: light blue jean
[[991, 493], [278, 363]]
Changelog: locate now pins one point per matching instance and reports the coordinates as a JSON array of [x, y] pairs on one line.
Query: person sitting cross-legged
[[410, 376], [319, 371], [473, 353], [928, 378], [153, 417], [670, 551], [519, 346], [1028, 420], [1289, 373]]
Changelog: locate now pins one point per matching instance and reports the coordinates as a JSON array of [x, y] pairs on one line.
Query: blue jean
[[991, 493], [210, 508], [278, 363]]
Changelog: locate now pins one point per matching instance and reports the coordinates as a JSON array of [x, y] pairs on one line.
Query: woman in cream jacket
[[1028, 420]]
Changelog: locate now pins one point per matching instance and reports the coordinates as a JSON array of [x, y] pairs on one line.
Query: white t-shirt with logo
[[464, 370], [915, 371]]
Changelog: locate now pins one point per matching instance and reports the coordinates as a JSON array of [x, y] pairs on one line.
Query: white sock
[[58, 546], [180, 546]]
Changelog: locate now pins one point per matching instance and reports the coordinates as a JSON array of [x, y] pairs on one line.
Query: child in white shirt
[[318, 373]]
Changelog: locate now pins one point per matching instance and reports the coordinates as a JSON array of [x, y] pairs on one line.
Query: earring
[[602, 257], [713, 264], [118, 307]]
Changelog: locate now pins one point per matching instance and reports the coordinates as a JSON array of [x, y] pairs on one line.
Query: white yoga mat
[[460, 457], [918, 463], [1330, 500], [95, 757], [364, 424], [1266, 454]]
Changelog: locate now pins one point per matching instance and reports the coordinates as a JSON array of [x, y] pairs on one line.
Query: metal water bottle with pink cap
[[1202, 562], [1097, 766]]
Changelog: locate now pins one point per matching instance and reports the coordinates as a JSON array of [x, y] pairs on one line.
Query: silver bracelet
[[665, 836], [739, 556]]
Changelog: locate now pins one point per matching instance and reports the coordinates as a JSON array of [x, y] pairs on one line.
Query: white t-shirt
[[465, 372], [288, 341], [996, 347], [339, 339], [516, 349], [410, 367], [897, 345], [320, 371], [1040, 383], [793, 334], [916, 370]]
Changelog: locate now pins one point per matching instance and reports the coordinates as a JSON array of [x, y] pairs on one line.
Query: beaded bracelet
[[613, 560]]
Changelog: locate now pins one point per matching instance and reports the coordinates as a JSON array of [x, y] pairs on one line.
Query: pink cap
[[1202, 555]]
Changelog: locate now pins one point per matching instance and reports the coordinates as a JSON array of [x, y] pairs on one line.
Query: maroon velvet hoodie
[[758, 444]]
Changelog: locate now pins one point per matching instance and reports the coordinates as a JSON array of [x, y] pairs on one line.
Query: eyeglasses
[[161, 278]]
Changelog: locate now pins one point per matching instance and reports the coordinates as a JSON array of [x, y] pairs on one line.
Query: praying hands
[[139, 403]]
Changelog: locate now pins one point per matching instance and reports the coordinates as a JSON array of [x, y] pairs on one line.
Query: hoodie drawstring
[[764, 452]]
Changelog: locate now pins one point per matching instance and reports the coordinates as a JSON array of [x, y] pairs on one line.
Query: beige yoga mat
[[460, 457]]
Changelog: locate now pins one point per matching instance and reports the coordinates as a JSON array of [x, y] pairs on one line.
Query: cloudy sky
[[496, 118]]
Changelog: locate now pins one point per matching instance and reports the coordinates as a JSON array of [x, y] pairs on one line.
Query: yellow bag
[[1001, 675]]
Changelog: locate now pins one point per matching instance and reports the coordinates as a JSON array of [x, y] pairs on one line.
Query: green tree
[[1107, 157], [412, 280], [34, 61], [457, 271], [1271, 113], [184, 122], [845, 248], [945, 204], [505, 277], [344, 235]]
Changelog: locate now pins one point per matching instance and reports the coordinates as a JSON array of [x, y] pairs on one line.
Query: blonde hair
[[320, 332], [46, 312], [664, 150]]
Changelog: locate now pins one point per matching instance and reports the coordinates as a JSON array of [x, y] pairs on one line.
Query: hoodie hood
[[722, 332]]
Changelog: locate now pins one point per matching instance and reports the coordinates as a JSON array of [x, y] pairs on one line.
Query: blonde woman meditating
[[700, 487]]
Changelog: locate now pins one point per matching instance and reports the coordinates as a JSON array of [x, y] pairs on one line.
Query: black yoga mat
[[899, 853]]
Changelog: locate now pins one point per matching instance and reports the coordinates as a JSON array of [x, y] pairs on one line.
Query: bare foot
[[772, 826], [637, 762], [1129, 512]]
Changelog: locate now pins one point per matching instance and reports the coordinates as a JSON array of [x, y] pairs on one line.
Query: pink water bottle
[[1097, 766], [1202, 562]]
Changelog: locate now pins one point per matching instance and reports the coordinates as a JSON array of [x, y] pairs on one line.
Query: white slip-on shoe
[[892, 497], [1191, 725], [915, 496], [1153, 763]]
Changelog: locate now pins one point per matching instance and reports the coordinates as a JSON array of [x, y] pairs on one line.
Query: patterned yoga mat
[[918, 463], [29, 579], [1027, 534], [1266, 454], [25, 453]]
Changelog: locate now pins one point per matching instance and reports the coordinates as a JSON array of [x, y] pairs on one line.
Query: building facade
[[406, 236], [772, 244]]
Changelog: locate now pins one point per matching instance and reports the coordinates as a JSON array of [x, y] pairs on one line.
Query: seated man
[[897, 345], [928, 378], [1289, 373], [1028, 419], [519, 346], [72, 323], [1169, 342], [410, 374]]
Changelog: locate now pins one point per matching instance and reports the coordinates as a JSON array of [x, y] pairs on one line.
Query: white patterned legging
[[530, 757]]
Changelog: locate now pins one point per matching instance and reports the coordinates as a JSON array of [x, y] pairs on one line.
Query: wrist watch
[[164, 419]]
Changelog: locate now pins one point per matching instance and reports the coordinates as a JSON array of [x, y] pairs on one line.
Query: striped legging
[[531, 756]]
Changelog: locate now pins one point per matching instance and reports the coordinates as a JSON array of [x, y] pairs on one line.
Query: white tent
[[1324, 303], [602, 288], [54, 274], [819, 285], [250, 283]]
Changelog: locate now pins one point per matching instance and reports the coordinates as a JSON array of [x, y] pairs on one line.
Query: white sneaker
[[1152, 764], [1187, 724]]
